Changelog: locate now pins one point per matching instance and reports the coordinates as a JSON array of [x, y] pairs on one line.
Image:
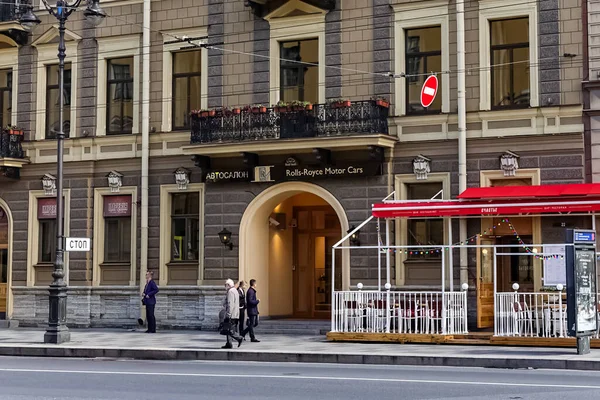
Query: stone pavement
[[196, 345]]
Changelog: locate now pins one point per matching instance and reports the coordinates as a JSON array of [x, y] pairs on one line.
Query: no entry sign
[[429, 90]]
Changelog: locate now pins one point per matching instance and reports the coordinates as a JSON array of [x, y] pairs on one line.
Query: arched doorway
[[5, 240], [286, 235]]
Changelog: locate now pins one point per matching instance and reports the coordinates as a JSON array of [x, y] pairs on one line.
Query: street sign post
[[582, 316], [78, 244], [429, 90]]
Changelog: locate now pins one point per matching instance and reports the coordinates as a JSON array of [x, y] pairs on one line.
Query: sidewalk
[[196, 345]]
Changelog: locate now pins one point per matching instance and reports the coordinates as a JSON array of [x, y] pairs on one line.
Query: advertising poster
[[585, 290]]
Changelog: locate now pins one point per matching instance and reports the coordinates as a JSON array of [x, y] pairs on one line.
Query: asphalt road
[[46, 378]]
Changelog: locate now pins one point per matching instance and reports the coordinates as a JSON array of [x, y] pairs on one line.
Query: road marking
[[318, 378]]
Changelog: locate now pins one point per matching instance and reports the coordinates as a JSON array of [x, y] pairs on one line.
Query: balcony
[[289, 122], [12, 156], [335, 125], [10, 11]]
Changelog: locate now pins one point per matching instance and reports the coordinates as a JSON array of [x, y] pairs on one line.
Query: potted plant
[[339, 103], [298, 105], [281, 106], [14, 130], [259, 109], [381, 102]]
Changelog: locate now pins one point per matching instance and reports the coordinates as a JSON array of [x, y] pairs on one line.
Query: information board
[[555, 268]]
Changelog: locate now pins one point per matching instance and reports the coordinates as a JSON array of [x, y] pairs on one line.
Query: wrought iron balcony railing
[[11, 144], [10, 10], [262, 123]]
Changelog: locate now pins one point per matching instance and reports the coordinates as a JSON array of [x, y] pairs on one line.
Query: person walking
[[242, 294], [252, 310], [149, 300], [231, 308]]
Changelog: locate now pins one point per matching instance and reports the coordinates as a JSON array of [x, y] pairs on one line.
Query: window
[[185, 226], [424, 232], [299, 81], [47, 230], [6, 85], [119, 116], [117, 229], [423, 55], [186, 86], [53, 101], [509, 59]]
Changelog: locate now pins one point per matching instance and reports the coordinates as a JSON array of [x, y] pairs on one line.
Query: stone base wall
[[120, 307]]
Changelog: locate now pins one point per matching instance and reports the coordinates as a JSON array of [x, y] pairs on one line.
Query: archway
[[6, 223], [266, 253]]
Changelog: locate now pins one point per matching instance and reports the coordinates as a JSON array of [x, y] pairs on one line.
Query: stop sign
[[429, 90]]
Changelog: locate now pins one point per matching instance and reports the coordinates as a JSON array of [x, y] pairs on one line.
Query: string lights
[[469, 240]]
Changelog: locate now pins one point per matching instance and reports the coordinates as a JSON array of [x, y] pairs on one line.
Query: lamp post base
[[57, 331], [57, 337]]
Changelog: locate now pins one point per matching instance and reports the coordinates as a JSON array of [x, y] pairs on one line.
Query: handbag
[[225, 327]]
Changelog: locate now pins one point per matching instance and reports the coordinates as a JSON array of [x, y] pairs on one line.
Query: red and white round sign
[[429, 90]]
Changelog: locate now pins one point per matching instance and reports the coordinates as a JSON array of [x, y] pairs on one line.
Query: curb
[[298, 357]]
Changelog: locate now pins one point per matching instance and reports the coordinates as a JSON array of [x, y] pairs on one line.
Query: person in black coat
[[149, 300], [242, 294], [252, 310]]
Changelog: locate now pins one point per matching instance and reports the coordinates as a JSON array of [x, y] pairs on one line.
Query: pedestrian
[[242, 294], [149, 300], [252, 310], [231, 314]]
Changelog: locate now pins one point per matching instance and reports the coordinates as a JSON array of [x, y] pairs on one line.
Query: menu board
[[585, 290], [555, 268]]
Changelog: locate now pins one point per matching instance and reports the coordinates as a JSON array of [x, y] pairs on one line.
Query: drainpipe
[[145, 142], [462, 129]]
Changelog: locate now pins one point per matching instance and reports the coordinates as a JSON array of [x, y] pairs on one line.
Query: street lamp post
[[57, 331]]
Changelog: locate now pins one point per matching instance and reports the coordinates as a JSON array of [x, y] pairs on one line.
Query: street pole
[[57, 331]]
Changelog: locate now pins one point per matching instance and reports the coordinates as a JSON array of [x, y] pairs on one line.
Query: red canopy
[[500, 201], [528, 192]]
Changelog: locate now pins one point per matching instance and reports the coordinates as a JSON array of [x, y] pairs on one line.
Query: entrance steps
[[8, 323], [300, 327]]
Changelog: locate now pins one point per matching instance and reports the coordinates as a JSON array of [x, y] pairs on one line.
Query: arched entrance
[[292, 261], [5, 259]]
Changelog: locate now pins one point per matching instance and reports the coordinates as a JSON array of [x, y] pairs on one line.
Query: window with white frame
[[508, 54], [421, 46], [187, 86], [6, 95], [423, 55], [53, 101], [299, 70], [119, 96], [41, 236], [297, 34], [184, 77], [181, 234], [118, 90]]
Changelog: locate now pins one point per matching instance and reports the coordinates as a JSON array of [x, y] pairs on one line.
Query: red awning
[[458, 208], [576, 190], [500, 201]]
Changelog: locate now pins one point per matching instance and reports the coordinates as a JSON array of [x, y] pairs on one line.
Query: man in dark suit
[[252, 310], [149, 300], [242, 294]]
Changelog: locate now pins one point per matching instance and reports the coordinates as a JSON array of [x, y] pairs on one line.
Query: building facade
[[280, 121]]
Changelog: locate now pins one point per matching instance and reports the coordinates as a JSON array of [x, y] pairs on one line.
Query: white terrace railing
[[540, 315], [400, 312]]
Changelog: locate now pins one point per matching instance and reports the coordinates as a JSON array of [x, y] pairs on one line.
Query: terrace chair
[[523, 319], [353, 317]]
